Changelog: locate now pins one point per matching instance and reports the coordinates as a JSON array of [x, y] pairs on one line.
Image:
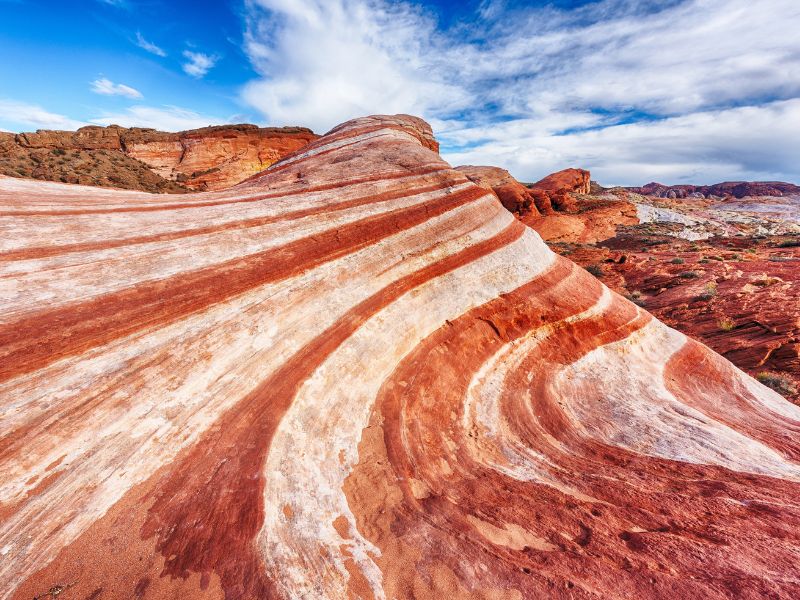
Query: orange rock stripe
[[219, 481], [228, 200], [47, 251], [42, 338]]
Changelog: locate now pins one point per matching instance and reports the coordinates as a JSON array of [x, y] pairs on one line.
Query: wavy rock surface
[[358, 376]]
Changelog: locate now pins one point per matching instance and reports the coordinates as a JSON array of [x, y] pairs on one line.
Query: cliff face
[[211, 158], [214, 158], [358, 375]]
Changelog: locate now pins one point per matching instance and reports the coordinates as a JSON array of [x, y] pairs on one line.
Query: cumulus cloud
[[165, 118], [748, 143], [16, 114], [545, 84], [198, 63], [106, 87], [148, 46], [326, 61]]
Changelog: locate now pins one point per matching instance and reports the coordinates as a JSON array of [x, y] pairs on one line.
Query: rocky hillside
[[357, 375], [735, 189], [211, 158]]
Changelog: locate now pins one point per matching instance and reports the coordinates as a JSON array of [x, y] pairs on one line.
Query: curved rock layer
[[358, 376]]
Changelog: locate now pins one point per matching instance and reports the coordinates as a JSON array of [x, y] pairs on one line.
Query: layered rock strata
[[211, 158], [358, 376]]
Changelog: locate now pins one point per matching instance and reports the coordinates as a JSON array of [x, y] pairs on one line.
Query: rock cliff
[[210, 158], [357, 375]]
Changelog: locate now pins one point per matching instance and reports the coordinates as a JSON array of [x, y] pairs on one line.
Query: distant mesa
[[728, 189]]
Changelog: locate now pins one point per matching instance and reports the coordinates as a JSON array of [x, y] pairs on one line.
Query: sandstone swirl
[[358, 376]]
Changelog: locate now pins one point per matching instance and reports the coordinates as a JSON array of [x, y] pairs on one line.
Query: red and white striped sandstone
[[358, 376]]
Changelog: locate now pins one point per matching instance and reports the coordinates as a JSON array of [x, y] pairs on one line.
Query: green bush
[[595, 270], [779, 383], [726, 324]]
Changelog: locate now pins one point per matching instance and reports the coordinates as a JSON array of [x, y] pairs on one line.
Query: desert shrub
[[709, 291], [689, 275], [595, 270], [751, 250], [677, 261], [636, 297], [779, 383], [717, 258], [58, 151], [704, 261], [726, 324]]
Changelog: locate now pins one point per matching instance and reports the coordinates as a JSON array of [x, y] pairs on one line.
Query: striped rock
[[358, 376]]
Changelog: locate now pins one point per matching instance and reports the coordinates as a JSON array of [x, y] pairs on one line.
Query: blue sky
[[635, 90]]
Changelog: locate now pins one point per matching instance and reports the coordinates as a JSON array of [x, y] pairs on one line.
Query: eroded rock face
[[211, 158], [214, 158], [515, 196], [558, 207], [358, 375]]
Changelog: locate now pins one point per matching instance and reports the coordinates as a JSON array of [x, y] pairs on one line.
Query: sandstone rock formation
[[357, 375], [555, 206], [516, 197], [561, 185], [211, 158], [214, 158], [739, 295]]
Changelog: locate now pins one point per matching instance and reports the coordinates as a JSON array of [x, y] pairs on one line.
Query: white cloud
[[326, 61], [747, 143], [199, 64], [165, 118], [106, 87], [21, 115], [148, 46], [556, 86]]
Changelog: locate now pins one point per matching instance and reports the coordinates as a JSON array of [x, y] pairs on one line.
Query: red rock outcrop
[[211, 158], [357, 375], [517, 198], [214, 158], [561, 185], [578, 219]]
